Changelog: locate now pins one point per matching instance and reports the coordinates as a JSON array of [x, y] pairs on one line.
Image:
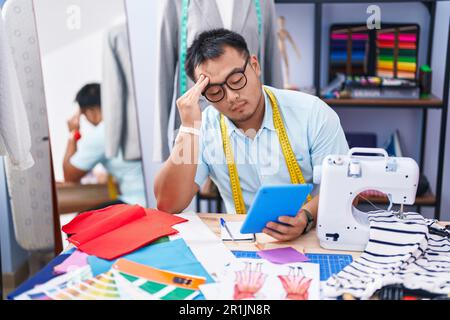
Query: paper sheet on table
[[235, 229], [259, 279], [205, 245]]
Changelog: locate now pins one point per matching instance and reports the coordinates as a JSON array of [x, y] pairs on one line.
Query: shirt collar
[[267, 120]]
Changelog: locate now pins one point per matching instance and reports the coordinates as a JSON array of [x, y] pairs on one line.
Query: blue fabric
[[42, 276], [172, 256]]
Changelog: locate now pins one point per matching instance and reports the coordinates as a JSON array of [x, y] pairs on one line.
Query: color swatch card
[[50, 289], [262, 280], [160, 284]]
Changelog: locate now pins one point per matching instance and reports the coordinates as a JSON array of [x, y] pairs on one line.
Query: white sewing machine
[[340, 225]]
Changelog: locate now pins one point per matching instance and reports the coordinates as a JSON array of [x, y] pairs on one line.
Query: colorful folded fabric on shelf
[[342, 56], [401, 66], [344, 52], [344, 36], [404, 37], [401, 52], [405, 56], [120, 229], [401, 45]]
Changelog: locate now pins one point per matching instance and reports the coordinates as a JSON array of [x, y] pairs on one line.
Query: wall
[[434, 117], [71, 58], [300, 24]]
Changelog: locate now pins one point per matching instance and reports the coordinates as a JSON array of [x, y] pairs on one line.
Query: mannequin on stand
[[283, 36]]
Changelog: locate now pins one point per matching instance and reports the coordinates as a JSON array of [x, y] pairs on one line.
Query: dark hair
[[210, 45], [89, 96]]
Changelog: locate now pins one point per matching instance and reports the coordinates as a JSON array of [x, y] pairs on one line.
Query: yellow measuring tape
[[293, 167]]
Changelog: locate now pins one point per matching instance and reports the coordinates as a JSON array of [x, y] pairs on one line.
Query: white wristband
[[191, 130]]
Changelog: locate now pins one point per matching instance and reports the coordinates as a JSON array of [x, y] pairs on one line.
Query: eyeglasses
[[237, 80]]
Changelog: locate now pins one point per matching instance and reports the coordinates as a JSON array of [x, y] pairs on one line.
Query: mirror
[[90, 98]]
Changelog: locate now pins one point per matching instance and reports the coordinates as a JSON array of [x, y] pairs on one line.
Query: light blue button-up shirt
[[314, 131]]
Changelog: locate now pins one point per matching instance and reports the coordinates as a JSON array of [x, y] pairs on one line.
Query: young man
[[83, 155], [241, 121]]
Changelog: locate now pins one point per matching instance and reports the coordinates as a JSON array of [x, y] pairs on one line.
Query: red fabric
[[120, 229]]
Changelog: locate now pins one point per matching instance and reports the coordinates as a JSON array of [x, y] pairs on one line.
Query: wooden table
[[309, 243], [79, 197]]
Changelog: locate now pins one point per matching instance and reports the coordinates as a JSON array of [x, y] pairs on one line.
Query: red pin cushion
[[76, 135]]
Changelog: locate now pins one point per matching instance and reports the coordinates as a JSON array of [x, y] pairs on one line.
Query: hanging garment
[[204, 15], [399, 251], [226, 12], [15, 139], [117, 96]]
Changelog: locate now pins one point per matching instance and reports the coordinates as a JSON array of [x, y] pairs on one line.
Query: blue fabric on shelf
[[44, 275], [339, 56], [343, 45]]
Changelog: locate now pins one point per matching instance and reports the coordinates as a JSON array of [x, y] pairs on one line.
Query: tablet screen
[[274, 201]]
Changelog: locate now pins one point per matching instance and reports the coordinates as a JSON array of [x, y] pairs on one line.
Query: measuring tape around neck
[[183, 40], [183, 46], [294, 169]]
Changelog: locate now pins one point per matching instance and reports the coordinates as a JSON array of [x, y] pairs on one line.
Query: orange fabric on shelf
[[120, 229]]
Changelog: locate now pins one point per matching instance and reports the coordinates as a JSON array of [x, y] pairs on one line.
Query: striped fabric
[[399, 251]]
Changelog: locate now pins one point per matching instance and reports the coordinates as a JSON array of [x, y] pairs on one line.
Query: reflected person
[[84, 151]]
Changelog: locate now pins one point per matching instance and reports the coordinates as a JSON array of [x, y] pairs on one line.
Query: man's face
[[237, 105]]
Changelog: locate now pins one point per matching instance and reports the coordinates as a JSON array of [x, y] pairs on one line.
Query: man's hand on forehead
[[188, 104]]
